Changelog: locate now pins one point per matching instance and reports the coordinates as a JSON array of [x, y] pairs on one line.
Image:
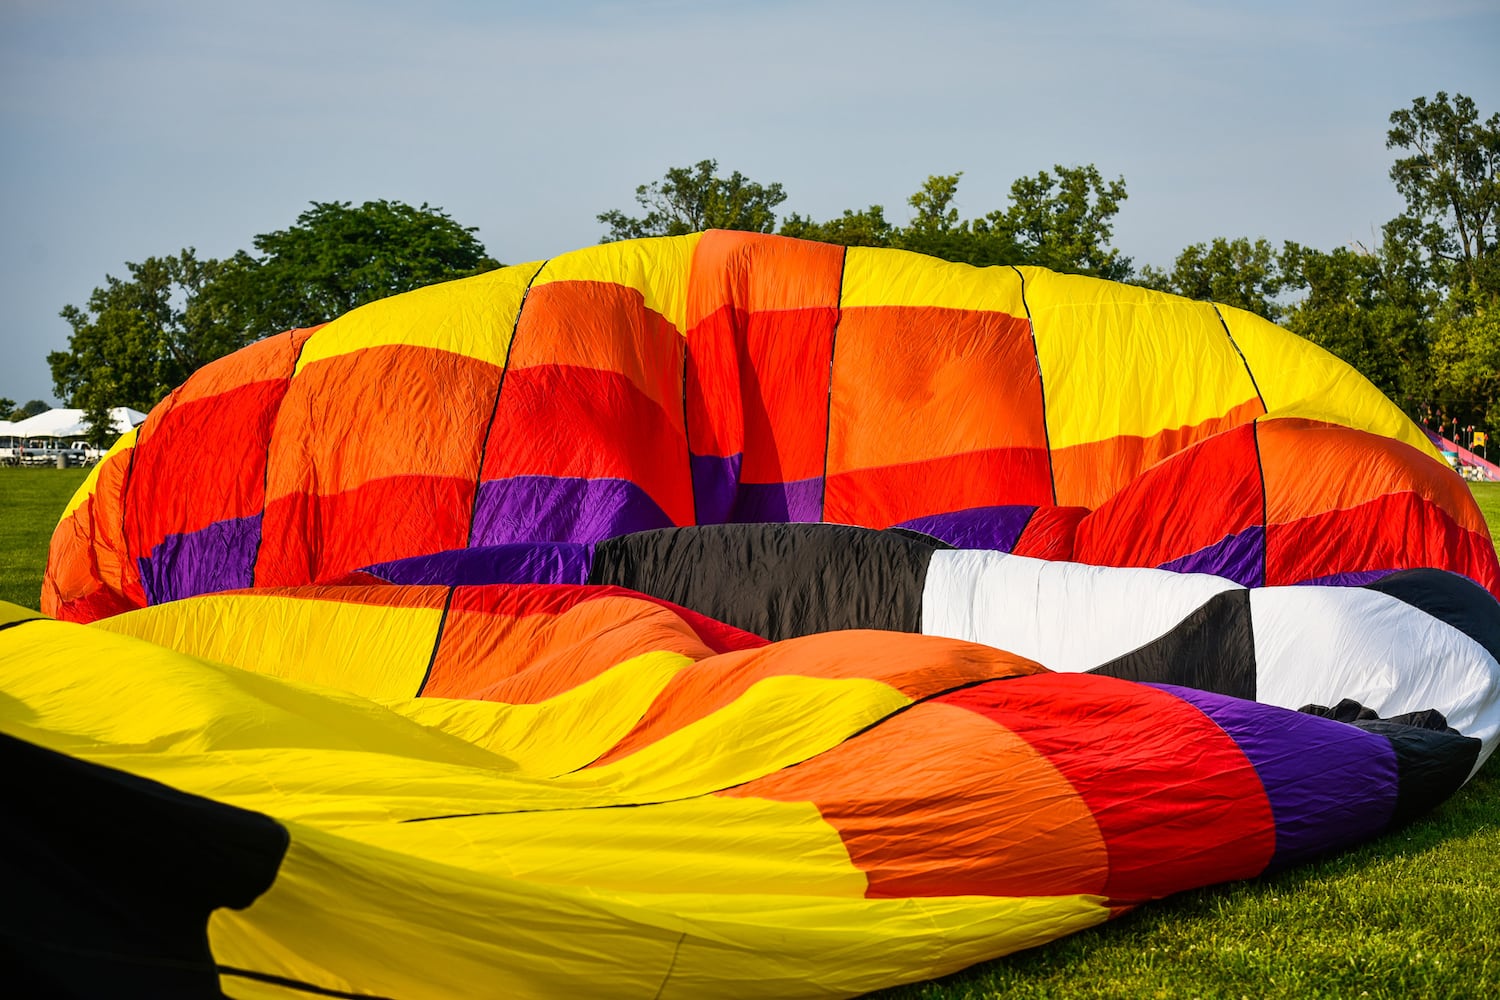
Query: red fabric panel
[[1398, 531], [568, 421], [1192, 500], [879, 497], [762, 312], [1050, 534], [307, 538], [1173, 795]]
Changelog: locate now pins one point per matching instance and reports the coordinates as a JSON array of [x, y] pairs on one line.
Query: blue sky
[[133, 129]]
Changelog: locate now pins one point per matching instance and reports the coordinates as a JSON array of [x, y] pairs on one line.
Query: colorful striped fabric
[[551, 790], [524, 636], [730, 377]]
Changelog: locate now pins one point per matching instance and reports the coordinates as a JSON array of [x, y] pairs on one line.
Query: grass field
[[1415, 914], [30, 502]]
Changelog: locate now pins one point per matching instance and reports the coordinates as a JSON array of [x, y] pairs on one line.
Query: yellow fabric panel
[[351, 917], [1121, 360], [369, 650], [1297, 378], [472, 316], [742, 845], [124, 444], [657, 268], [878, 277], [562, 733], [776, 722], [159, 712]]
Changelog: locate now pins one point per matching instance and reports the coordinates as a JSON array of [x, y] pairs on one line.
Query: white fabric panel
[[1318, 645], [1067, 616]]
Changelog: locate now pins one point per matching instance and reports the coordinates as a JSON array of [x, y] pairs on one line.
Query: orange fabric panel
[[882, 496], [270, 358], [916, 665], [758, 272], [309, 538], [1192, 500], [525, 644], [603, 326], [99, 556], [912, 384], [379, 413], [1312, 468], [1089, 474], [941, 801]]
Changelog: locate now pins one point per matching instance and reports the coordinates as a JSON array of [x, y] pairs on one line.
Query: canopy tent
[[64, 423]]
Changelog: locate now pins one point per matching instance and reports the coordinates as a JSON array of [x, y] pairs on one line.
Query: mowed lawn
[[1413, 914]]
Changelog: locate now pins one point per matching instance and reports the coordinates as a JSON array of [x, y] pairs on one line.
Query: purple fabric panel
[[1239, 557], [1357, 579], [715, 481], [542, 562], [218, 557], [723, 498], [996, 528], [781, 503], [1330, 784], [553, 509]]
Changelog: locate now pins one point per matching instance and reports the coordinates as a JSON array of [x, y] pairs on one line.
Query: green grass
[[31, 501], [1413, 914]]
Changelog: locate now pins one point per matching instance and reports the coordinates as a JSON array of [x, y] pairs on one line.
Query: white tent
[[65, 423]]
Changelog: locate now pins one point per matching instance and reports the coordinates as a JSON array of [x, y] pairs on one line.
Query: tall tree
[[133, 341], [1065, 220], [138, 336], [691, 199], [1235, 272], [865, 228], [1451, 183], [1368, 308]]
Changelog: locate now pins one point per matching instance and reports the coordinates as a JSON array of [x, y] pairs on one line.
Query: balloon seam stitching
[[1265, 516], [265, 486], [833, 344], [1243, 360], [437, 641], [489, 427], [1041, 385]]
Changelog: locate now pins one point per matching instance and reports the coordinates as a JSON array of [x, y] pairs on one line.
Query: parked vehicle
[[43, 451]]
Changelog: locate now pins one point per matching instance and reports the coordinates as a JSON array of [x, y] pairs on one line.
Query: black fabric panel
[[1448, 597], [776, 580], [1432, 760], [109, 879], [1212, 649]]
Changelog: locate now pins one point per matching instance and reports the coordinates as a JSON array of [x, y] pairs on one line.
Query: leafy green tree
[[138, 336], [337, 257], [1062, 220], [1235, 272], [133, 341], [865, 228], [1065, 221], [30, 408], [1451, 183], [1368, 307], [691, 199]]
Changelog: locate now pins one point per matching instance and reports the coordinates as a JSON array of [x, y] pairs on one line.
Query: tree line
[[1418, 313]]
